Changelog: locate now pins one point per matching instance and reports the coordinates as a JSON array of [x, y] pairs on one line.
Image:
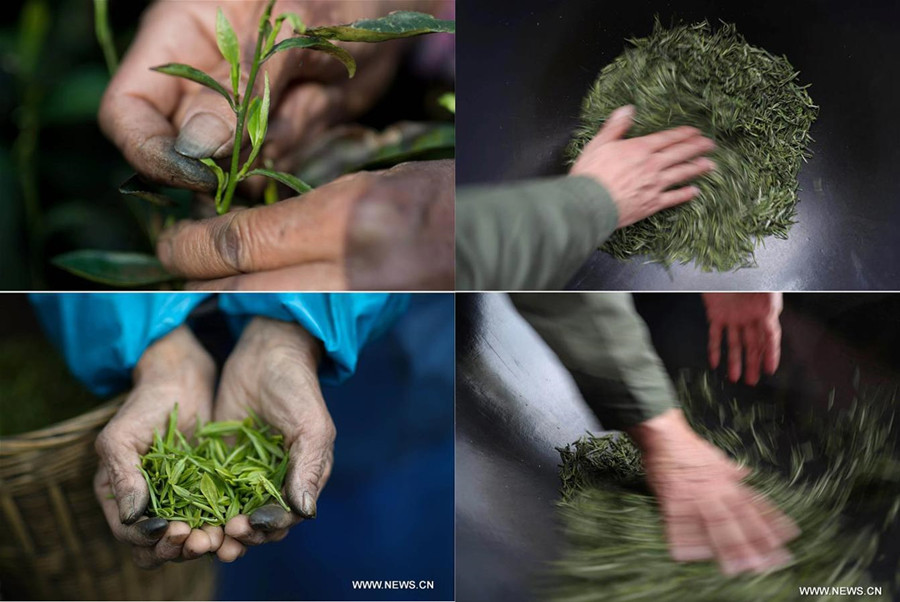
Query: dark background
[[515, 404], [525, 65]]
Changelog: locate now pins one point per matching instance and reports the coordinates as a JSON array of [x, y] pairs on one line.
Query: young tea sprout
[[209, 481], [252, 112]]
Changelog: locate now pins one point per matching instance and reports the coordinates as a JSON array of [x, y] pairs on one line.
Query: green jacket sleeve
[[532, 235], [605, 345]]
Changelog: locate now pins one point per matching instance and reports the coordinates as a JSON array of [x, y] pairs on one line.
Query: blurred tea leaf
[[316, 43], [114, 268], [195, 75], [448, 101], [75, 97], [398, 24], [137, 186], [287, 179]]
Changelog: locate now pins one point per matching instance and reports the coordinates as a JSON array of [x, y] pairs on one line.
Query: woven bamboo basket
[[54, 540]]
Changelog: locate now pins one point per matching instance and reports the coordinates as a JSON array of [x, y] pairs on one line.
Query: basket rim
[[63, 432]]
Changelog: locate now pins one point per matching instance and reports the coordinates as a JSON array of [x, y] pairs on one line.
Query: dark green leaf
[[195, 75], [287, 179], [316, 43], [137, 186], [114, 268], [398, 24]]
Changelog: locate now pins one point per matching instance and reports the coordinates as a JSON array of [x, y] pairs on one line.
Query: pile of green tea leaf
[[745, 99], [209, 482], [836, 473]]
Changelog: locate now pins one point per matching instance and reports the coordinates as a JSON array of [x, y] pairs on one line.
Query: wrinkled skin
[[273, 370], [751, 324], [707, 511], [640, 173], [370, 230]]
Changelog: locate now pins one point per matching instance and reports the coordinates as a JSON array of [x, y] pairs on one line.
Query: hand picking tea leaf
[[745, 99], [206, 481], [842, 496]]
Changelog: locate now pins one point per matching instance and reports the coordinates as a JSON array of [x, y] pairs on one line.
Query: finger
[[768, 552], [772, 347], [135, 106], [119, 461], [660, 140], [215, 534], [169, 547], [686, 150], [714, 347], [197, 544], [299, 230], [670, 198], [230, 550], [686, 536], [752, 354], [782, 525], [616, 126], [312, 457], [317, 276], [734, 353], [271, 518], [303, 114], [728, 540], [685, 171]]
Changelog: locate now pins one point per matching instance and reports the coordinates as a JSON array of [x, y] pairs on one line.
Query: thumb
[[128, 486], [311, 460], [616, 126], [206, 125]]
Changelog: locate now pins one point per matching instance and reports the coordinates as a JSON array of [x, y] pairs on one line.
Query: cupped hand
[[175, 369], [641, 173], [708, 512], [751, 321], [273, 371], [370, 230], [162, 124]]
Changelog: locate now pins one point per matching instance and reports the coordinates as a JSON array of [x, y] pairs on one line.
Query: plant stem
[[234, 175], [104, 34]]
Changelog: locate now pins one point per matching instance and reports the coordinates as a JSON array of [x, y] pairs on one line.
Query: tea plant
[[251, 116], [209, 482], [745, 99]]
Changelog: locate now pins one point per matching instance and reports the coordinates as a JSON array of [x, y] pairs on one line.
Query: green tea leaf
[[253, 123], [114, 268], [296, 22], [287, 179], [195, 75], [448, 101], [398, 24], [227, 41], [316, 43]]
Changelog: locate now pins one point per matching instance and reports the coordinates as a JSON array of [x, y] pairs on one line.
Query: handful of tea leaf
[[748, 101], [211, 482]]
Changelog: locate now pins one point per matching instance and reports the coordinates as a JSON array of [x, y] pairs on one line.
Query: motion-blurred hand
[[370, 230], [174, 369], [162, 124], [751, 321], [274, 371], [639, 173], [708, 513]]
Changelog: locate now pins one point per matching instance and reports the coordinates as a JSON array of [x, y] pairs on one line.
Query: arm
[[535, 236], [605, 345]]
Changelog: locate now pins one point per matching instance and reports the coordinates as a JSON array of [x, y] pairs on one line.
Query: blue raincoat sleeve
[[103, 335], [344, 322]]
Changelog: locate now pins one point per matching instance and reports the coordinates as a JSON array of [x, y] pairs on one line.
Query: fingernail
[[202, 135], [127, 510], [266, 518], [153, 528], [308, 505]]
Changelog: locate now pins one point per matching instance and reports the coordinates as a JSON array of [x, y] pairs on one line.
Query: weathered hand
[[274, 371], [708, 513], [370, 230], [751, 321], [174, 369], [162, 124], [639, 173]]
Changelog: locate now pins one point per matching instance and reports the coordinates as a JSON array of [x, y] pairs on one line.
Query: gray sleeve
[[532, 235], [605, 345]]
